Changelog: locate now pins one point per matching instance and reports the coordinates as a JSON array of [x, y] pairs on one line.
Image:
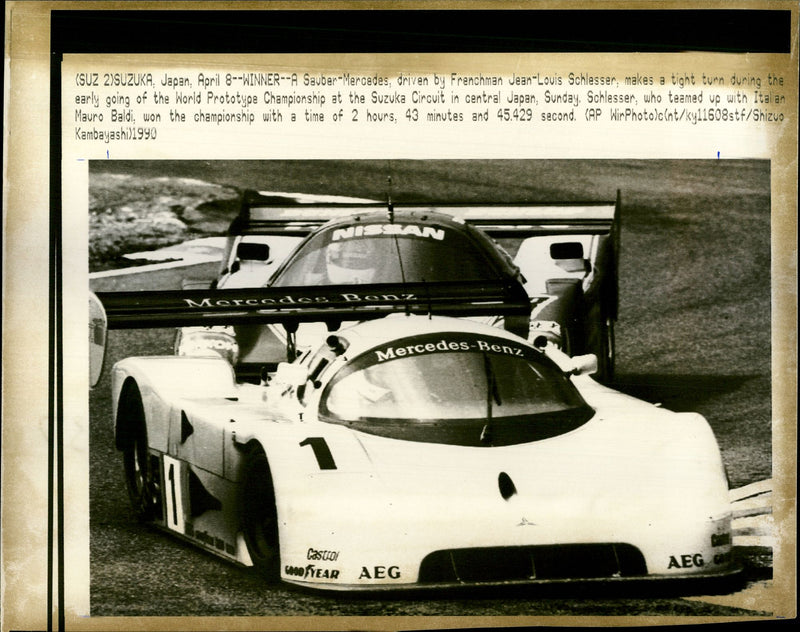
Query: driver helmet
[[351, 261]]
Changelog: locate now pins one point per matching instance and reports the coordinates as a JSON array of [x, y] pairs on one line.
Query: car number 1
[[173, 475], [321, 451]]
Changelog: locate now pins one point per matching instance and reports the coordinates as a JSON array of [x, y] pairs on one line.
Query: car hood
[[633, 474], [647, 458]]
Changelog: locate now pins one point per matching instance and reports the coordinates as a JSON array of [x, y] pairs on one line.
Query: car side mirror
[[569, 255], [98, 327], [249, 251], [566, 250], [584, 364], [570, 365]]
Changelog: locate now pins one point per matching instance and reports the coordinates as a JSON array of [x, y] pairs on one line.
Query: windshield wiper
[[492, 397]]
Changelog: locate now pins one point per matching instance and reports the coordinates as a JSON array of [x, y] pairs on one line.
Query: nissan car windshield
[[457, 388], [386, 253]]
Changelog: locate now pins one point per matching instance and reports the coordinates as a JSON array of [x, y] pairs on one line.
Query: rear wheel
[[568, 340], [260, 516], [606, 351], [141, 470]]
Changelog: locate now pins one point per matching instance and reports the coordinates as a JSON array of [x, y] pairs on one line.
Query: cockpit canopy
[[457, 388]]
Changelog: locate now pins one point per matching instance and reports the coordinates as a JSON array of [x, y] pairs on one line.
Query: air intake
[[506, 485], [529, 563]]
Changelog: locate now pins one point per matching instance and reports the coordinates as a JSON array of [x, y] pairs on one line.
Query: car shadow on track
[[680, 393], [573, 590]]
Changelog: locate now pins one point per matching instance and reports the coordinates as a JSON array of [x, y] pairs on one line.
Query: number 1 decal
[[321, 451], [173, 468], [171, 477]]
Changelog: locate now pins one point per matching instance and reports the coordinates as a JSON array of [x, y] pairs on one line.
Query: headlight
[[207, 341]]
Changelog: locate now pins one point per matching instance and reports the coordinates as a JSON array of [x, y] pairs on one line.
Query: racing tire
[[260, 516], [606, 352], [142, 476]]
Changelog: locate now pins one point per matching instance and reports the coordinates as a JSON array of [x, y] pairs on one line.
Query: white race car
[[413, 451]]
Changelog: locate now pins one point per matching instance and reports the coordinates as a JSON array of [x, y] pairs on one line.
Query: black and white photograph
[[316, 435], [381, 316]]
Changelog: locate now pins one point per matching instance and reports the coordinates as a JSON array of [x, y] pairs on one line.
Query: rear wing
[[260, 214], [290, 306]]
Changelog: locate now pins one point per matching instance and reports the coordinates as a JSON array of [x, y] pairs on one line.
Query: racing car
[[564, 255], [414, 449]]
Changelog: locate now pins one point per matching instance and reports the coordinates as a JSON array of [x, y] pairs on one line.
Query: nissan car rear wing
[[261, 214], [509, 224]]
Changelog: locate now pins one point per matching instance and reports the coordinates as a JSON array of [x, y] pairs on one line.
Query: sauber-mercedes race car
[[564, 255], [415, 449]]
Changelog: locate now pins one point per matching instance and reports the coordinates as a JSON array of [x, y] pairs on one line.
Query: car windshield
[[386, 253], [455, 388]]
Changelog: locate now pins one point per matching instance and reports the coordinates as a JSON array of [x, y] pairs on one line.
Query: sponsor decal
[[311, 571], [393, 352], [720, 539], [687, 560], [722, 558], [210, 540], [372, 230], [207, 303], [97, 331], [355, 298], [380, 572], [327, 556], [347, 297]]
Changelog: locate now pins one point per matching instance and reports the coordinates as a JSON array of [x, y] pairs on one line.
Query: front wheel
[[260, 516], [141, 470]]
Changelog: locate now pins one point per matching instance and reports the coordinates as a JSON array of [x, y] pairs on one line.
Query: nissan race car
[[412, 449], [564, 255]]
